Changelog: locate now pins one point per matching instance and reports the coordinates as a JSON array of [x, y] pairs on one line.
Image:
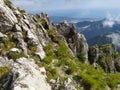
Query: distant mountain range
[[100, 32], [96, 31], [95, 28], [58, 19]]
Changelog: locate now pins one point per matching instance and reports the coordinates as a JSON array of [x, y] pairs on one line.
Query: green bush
[[69, 71], [50, 55], [37, 60], [52, 73], [52, 35], [62, 51], [15, 55], [93, 82], [81, 57], [9, 4], [50, 32], [3, 71], [89, 77], [32, 49], [48, 59], [113, 80], [105, 48], [44, 24], [6, 45], [22, 11]]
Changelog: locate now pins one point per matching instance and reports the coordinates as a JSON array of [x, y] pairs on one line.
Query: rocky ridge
[[36, 54]]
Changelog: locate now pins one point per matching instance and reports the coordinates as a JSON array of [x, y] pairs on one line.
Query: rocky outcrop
[[105, 56], [94, 54], [7, 13], [26, 75], [22, 35], [117, 64], [68, 85], [26, 71], [49, 23], [7, 17], [76, 41]]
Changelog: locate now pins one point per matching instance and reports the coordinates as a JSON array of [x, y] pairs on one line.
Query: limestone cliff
[[76, 41], [105, 56], [36, 54]]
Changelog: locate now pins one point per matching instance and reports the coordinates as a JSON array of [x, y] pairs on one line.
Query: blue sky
[[74, 8]]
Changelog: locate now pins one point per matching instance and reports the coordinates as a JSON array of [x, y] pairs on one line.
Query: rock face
[[22, 35], [28, 76], [6, 17], [76, 41], [117, 64], [68, 85], [105, 56]]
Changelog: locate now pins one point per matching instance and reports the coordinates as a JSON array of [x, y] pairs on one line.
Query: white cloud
[[108, 23], [111, 20], [115, 38]]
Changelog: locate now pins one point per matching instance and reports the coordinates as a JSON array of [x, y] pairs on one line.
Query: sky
[[71, 8]]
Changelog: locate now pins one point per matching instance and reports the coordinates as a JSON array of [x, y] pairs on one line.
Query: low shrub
[[3, 71], [15, 55], [81, 57], [50, 55], [32, 49], [44, 24], [113, 80], [52, 73], [62, 51], [22, 11], [9, 4]]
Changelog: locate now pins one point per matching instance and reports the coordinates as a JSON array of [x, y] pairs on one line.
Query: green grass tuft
[[3, 72]]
